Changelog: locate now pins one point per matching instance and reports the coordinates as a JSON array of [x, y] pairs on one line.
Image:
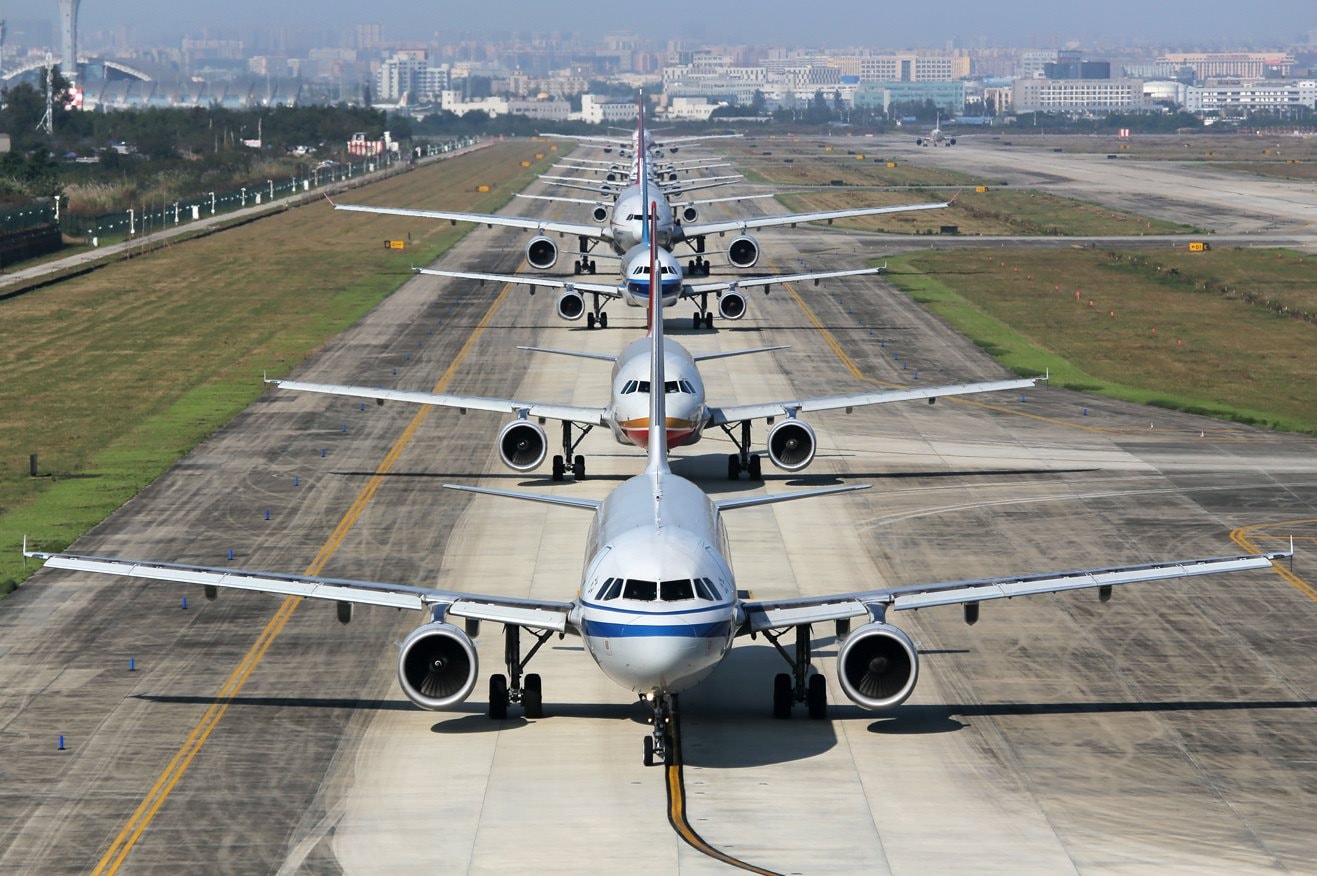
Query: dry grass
[[1123, 323], [112, 376]]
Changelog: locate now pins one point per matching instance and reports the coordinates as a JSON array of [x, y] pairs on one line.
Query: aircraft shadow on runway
[[712, 469]]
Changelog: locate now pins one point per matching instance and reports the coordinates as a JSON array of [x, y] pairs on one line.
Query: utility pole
[[48, 120]]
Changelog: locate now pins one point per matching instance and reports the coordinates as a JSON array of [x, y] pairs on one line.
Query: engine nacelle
[[731, 305], [600, 214], [522, 445], [571, 305], [878, 666], [437, 666], [542, 253], [791, 445], [919, 141], [610, 176], [743, 252], [951, 142], [689, 214]]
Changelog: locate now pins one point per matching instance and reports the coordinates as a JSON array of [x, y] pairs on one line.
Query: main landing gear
[[703, 319], [798, 686], [525, 689], [697, 267], [585, 266], [568, 448], [658, 745], [743, 459]]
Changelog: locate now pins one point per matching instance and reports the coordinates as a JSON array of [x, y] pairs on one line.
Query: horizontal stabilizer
[[774, 498], [545, 498]]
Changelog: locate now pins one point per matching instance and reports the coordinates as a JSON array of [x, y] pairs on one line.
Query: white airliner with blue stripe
[[657, 607]]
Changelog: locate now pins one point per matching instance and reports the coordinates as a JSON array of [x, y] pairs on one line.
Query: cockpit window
[[612, 587], [642, 386], [676, 591], [702, 590], [642, 591]]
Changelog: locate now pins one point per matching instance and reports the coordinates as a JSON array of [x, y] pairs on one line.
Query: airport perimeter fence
[[32, 215], [139, 221]]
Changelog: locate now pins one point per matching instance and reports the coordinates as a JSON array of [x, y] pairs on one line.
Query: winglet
[[331, 201], [953, 197]]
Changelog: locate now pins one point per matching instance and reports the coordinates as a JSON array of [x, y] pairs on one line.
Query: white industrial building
[[1078, 95], [1234, 97]]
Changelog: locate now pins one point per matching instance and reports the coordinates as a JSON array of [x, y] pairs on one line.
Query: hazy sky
[[835, 23]]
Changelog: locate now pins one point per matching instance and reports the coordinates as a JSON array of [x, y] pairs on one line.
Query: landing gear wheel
[[756, 473], [578, 468], [558, 468], [817, 698], [576, 266], [649, 751], [498, 697], [594, 267], [695, 322], [782, 696], [603, 320], [532, 696], [733, 467], [708, 318], [589, 320]]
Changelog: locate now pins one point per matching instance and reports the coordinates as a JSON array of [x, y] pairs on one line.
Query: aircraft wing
[[772, 614], [540, 225], [528, 279], [742, 225], [535, 613], [691, 289], [570, 413], [703, 182], [597, 202], [724, 200], [740, 413]]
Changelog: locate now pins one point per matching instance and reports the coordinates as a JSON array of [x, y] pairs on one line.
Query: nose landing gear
[[658, 745]]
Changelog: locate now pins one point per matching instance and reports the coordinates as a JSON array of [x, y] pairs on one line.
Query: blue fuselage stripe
[[604, 630]]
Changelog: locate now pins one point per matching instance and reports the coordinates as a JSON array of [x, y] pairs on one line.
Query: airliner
[[626, 225], [791, 442], [936, 137], [632, 288], [658, 607]]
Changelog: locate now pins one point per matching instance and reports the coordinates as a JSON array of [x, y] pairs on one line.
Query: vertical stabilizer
[[658, 409]]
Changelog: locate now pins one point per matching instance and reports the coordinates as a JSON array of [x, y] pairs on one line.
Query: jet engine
[[541, 252], [731, 305], [791, 444], [951, 142], [600, 213], [743, 252], [610, 176], [689, 214], [522, 445], [571, 305], [437, 666], [919, 141], [878, 666]]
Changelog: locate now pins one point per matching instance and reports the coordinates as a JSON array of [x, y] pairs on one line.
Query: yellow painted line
[[677, 812], [1243, 536], [118, 851]]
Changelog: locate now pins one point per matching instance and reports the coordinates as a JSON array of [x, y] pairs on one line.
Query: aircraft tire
[[589, 320], [558, 468], [578, 468], [733, 467], [603, 320], [818, 698], [708, 320], [649, 751], [756, 471], [498, 697], [782, 696], [532, 696]]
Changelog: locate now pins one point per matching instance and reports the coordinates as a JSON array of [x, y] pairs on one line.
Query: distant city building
[[408, 76], [1078, 95], [1241, 65], [912, 67], [1233, 98], [598, 110], [946, 96], [1070, 64], [369, 37], [1033, 62]]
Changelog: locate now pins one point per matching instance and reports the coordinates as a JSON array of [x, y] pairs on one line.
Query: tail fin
[[642, 177], [658, 403], [641, 151]]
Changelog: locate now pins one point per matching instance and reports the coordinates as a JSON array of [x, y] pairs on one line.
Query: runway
[[1167, 731]]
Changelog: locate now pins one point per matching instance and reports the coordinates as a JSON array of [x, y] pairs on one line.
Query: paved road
[[1169, 730]]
